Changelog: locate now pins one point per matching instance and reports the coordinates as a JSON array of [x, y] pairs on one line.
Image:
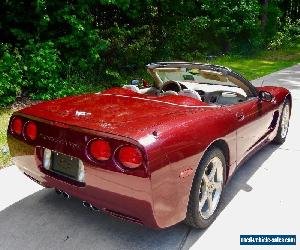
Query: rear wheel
[[207, 189], [283, 126]]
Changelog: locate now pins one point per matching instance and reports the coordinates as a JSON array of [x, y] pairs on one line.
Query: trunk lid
[[126, 115]]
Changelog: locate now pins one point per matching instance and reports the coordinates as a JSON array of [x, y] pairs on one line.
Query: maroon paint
[[172, 132]]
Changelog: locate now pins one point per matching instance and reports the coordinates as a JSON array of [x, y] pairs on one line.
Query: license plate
[[65, 165]]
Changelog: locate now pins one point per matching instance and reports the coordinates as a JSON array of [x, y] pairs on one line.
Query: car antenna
[[262, 82]]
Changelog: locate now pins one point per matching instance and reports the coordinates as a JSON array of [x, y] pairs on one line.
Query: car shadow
[[45, 220], [237, 183]]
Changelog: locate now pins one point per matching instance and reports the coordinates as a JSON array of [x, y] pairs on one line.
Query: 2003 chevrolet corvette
[[154, 155]]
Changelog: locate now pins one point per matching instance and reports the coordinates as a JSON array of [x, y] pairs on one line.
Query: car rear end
[[109, 172]]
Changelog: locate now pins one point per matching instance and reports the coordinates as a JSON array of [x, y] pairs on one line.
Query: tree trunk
[[264, 16]]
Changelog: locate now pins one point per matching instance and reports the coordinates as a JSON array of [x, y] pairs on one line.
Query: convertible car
[[154, 153]]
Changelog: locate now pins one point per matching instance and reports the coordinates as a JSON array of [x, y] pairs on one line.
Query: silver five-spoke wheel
[[211, 187], [206, 192], [283, 125], [285, 120]]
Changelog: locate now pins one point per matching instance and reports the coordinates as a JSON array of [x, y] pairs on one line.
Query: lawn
[[261, 64], [4, 154], [251, 67]]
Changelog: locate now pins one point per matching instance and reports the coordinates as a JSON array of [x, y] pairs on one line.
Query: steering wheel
[[171, 86]]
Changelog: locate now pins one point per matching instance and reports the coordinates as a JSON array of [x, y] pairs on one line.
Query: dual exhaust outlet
[[84, 203], [64, 194], [88, 205]]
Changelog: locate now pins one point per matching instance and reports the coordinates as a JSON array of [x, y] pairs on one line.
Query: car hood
[[121, 112]]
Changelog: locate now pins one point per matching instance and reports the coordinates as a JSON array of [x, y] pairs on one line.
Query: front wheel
[[207, 189], [283, 126]]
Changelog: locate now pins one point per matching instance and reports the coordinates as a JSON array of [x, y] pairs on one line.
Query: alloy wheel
[[211, 187], [285, 121]]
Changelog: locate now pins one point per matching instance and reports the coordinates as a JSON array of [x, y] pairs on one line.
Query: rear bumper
[[125, 196]]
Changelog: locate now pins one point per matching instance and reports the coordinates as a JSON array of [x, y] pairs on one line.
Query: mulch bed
[[23, 102]]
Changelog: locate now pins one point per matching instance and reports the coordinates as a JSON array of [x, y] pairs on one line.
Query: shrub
[[42, 70], [289, 34], [11, 74], [38, 72]]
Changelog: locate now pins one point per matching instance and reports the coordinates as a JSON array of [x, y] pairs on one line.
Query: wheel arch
[[190, 217], [223, 146]]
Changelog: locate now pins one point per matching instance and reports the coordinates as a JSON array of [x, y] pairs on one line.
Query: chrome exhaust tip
[[58, 192], [94, 208], [86, 204], [66, 195]]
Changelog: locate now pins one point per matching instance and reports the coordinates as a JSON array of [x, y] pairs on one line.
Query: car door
[[247, 126], [253, 120]]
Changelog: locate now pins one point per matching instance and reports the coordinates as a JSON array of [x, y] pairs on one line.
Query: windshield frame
[[224, 70]]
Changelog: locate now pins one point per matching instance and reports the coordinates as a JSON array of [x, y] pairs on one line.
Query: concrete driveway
[[261, 198]]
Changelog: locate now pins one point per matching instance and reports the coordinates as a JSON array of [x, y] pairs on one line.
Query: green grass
[[261, 64], [5, 114]]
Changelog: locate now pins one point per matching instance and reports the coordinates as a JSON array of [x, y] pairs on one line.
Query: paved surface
[[260, 199]]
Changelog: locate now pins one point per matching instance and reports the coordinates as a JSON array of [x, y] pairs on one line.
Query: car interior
[[206, 85]]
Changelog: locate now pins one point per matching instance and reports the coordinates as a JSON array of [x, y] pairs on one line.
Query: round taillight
[[100, 150], [130, 156], [30, 130], [17, 125]]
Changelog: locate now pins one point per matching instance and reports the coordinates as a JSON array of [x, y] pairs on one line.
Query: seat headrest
[[190, 93], [132, 87]]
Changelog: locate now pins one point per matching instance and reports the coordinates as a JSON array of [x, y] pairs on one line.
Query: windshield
[[193, 75], [207, 79]]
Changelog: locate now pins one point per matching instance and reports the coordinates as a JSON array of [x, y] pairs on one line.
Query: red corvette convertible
[[152, 154]]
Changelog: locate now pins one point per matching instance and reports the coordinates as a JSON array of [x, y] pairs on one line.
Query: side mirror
[[265, 96], [135, 82]]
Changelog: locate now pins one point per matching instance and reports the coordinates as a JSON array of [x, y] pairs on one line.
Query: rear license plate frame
[[65, 165]]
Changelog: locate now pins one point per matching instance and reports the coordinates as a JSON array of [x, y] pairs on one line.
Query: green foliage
[[81, 41], [50, 49], [42, 70], [182, 45], [289, 35], [5, 158], [232, 21], [129, 49], [44, 73], [11, 74]]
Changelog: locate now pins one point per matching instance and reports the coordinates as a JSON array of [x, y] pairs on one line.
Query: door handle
[[240, 116]]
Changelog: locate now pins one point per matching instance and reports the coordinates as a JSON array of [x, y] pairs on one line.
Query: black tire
[[279, 138], [193, 216]]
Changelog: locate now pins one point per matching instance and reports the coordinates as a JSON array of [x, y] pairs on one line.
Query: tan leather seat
[[190, 93], [132, 87], [169, 92]]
